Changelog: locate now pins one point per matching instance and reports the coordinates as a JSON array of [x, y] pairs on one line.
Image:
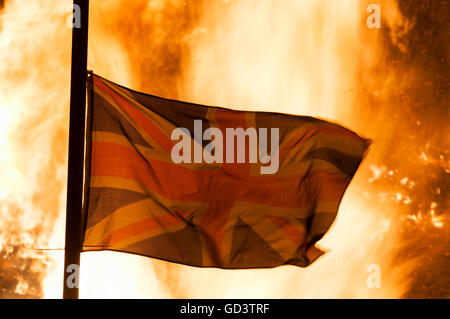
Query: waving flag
[[161, 186]]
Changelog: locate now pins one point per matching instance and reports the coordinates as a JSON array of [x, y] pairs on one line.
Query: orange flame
[[303, 57]]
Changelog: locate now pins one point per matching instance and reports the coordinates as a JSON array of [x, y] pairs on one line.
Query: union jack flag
[[225, 215]]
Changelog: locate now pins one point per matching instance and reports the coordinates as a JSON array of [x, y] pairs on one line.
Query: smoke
[[154, 37], [21, 271]]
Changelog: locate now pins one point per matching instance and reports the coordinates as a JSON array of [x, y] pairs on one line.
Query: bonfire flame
[[302, 57]]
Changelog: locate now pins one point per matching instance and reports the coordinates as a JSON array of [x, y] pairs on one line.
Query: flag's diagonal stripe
[[139, 216], [146, 231], [273, 229], [346, 164], [120, 183], [302, 150], [341, 151], [164, 125], [169, 205], [143, 229], [123, 216], [288, 169], [146, 110], [143, 133], [140, 120], [293, 229], [106, 118], [322, 135], [272, 234]]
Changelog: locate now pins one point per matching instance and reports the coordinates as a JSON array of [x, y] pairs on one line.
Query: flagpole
[[77, 128]]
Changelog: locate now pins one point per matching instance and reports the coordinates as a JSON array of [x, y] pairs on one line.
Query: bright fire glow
[[301, 57]]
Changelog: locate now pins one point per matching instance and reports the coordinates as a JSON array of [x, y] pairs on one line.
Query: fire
[[303, 57], [35, 73]]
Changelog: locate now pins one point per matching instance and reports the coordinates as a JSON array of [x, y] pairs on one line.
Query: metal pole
[[76, 149]]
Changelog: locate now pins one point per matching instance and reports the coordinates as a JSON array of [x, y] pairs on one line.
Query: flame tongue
[[35, 55]]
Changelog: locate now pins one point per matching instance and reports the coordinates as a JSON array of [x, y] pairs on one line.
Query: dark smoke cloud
[[154, 37], [17, 271], [2, 4], [21, 268]]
